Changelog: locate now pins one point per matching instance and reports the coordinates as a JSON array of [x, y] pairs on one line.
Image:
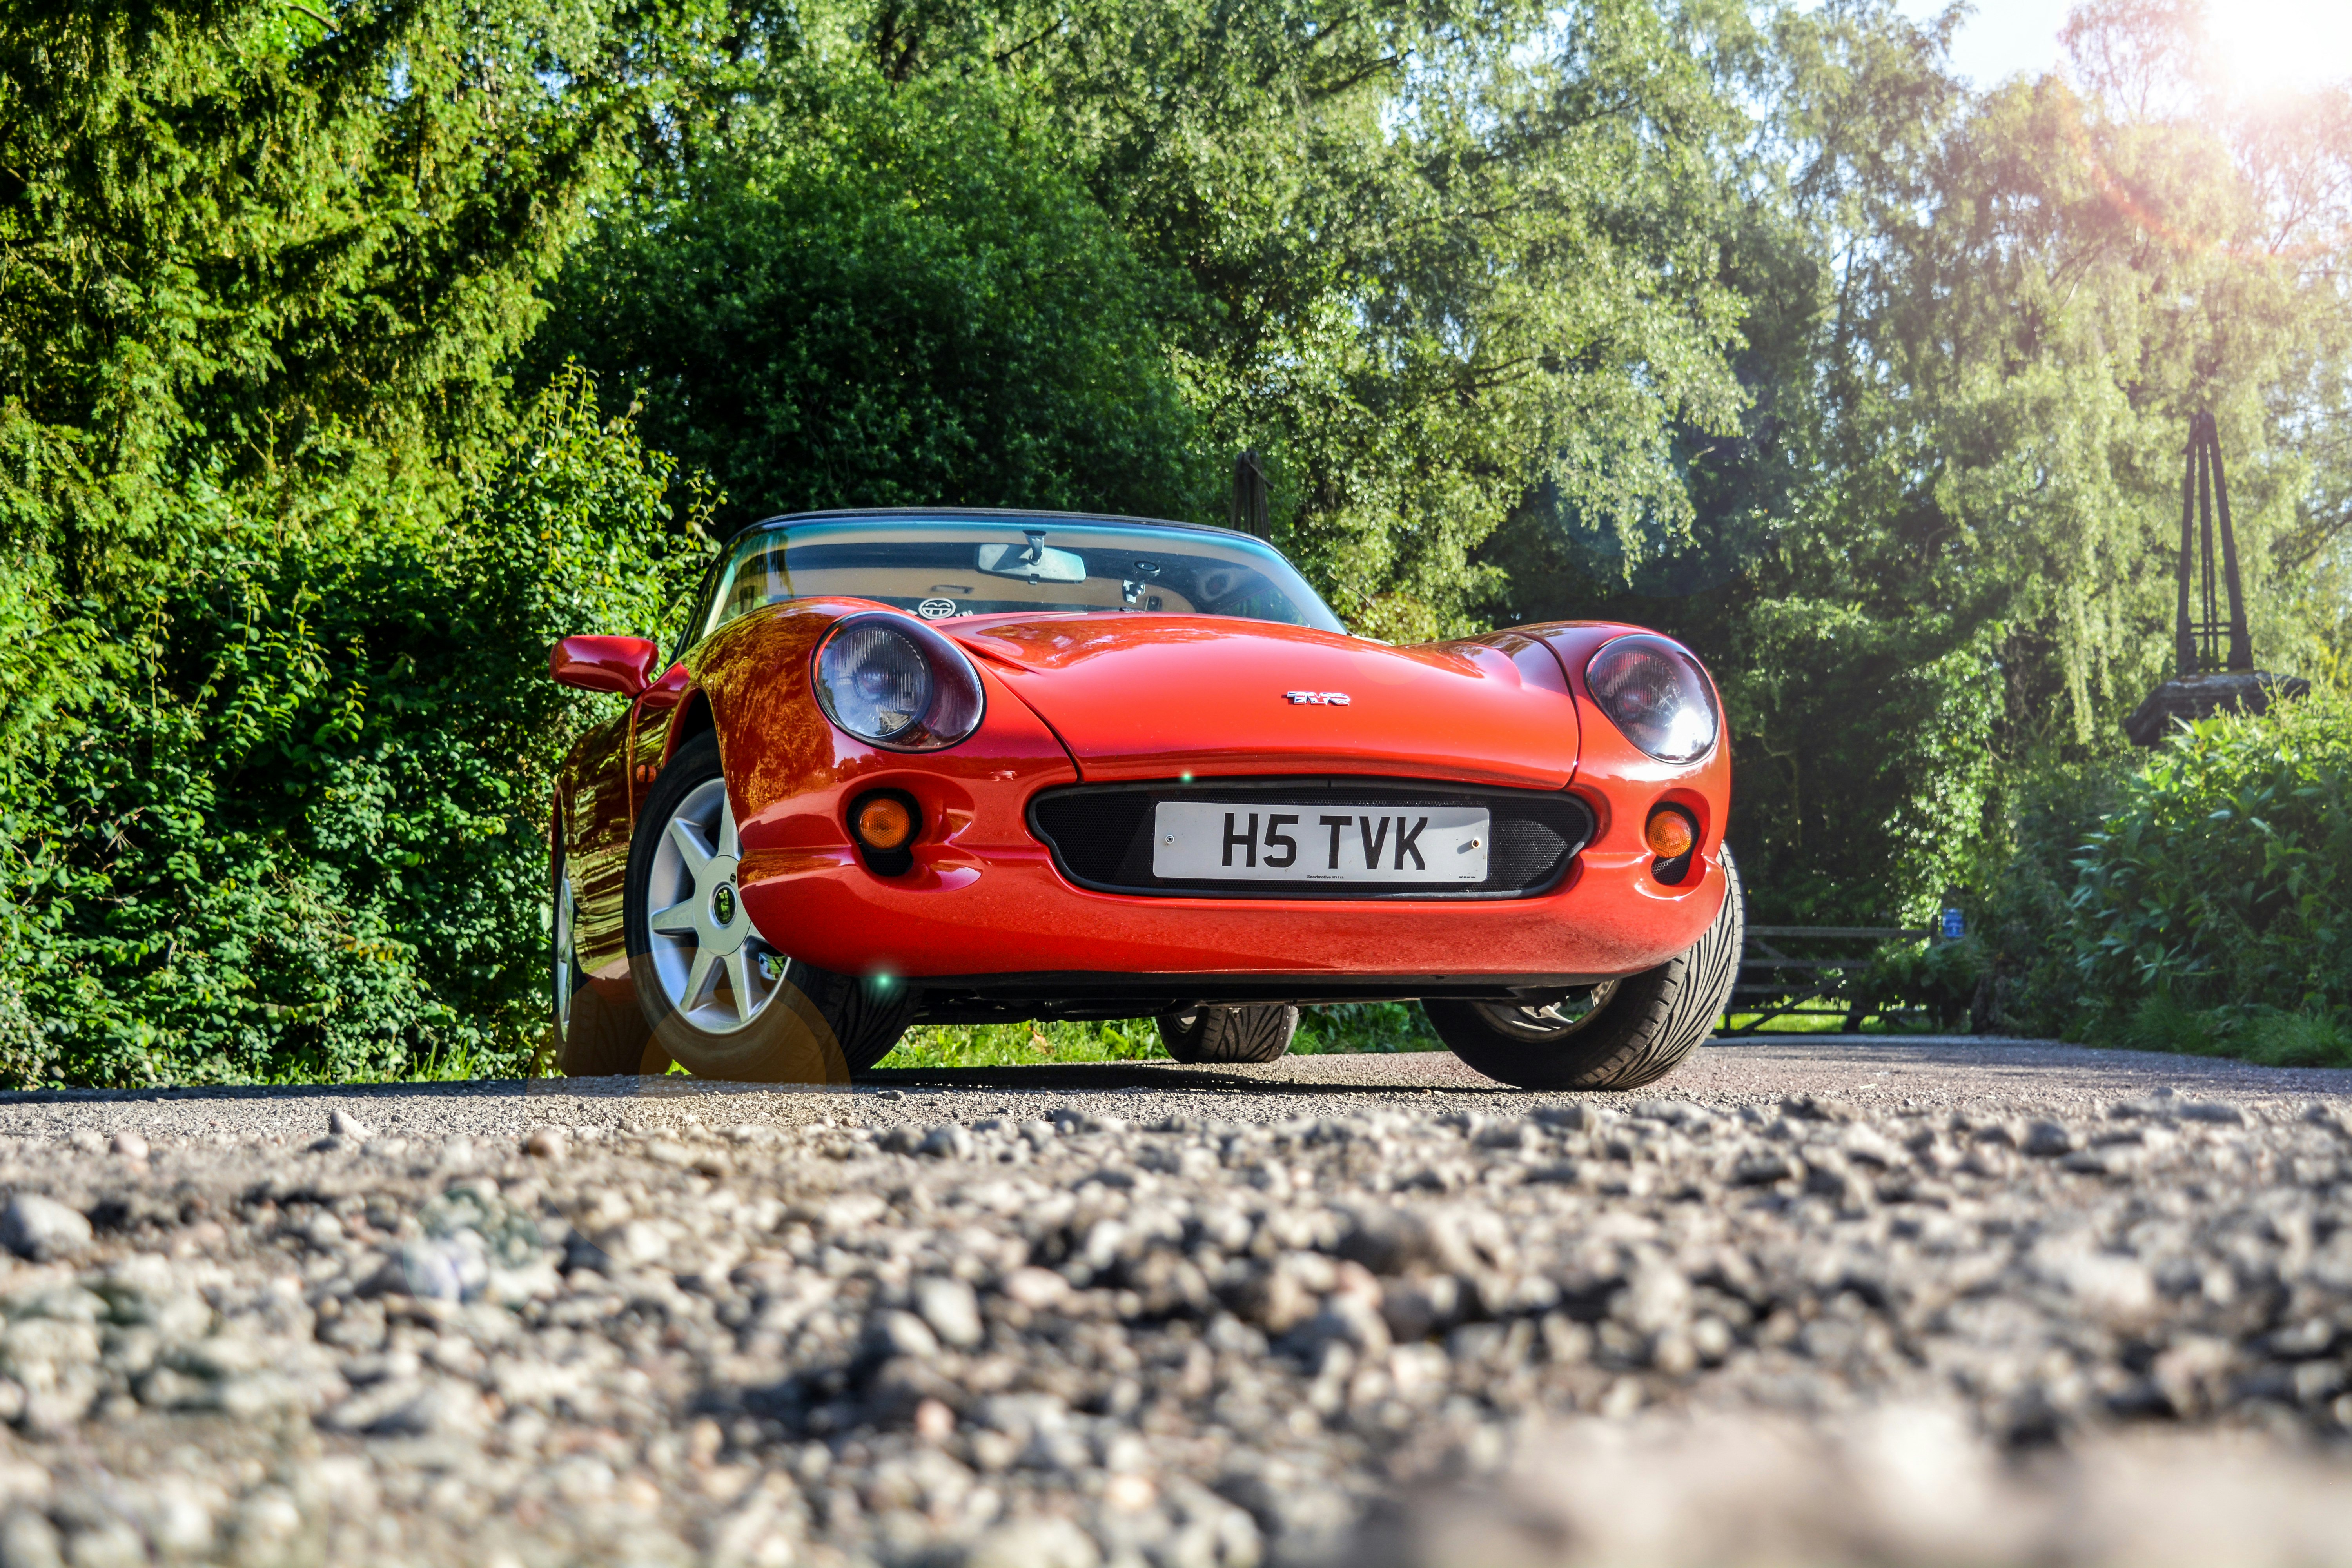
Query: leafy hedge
[[304, 837], [2223, 877], [2201, 900]]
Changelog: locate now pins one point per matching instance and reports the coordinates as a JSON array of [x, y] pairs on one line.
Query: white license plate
[[1201, 840]]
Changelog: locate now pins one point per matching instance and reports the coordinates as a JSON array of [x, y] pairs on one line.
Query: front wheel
[[724, 1002], [1621, 1033]]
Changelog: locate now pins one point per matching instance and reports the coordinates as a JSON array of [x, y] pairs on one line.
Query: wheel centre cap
[[723, 904]]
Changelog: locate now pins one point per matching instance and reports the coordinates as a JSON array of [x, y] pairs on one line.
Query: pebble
[[42, 1228], [1579, 1332]]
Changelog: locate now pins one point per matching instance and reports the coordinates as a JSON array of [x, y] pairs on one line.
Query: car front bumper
[[1004, 921]]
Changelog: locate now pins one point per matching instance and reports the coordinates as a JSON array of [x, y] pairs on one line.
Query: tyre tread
[[1668, 1012], [1230, 1035]]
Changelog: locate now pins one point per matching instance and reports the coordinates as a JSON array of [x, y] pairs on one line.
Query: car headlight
[[895, 682], [1655, 693]]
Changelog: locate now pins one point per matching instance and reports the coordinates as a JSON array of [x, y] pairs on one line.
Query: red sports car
[[958, 766]]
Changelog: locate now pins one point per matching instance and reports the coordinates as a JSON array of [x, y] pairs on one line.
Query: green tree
[[1938, 559], [1422, 257], [268, 752], [892, 299]]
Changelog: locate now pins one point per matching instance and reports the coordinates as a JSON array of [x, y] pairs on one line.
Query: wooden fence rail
[[1804, 983]]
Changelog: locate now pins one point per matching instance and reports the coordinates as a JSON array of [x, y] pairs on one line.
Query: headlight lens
[[1654, 692], [897, 683]]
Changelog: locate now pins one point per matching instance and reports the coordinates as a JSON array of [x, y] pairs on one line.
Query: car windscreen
[[940, 569]]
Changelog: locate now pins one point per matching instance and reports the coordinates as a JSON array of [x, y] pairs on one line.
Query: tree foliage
[[1938, 558], [281, 561], [1420, 257]]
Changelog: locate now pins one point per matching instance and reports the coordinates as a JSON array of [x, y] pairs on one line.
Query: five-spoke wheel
[[715, 971]]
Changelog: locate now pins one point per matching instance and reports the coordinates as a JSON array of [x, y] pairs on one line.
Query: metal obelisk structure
[[2215, 656], [2204, 499]]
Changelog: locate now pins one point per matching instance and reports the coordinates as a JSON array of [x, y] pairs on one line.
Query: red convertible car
[[962, 766]]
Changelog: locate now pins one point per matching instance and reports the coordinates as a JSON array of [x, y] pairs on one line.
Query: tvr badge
[[1315, 698]]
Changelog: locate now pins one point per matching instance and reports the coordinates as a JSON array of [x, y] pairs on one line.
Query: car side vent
[[1101, 836]]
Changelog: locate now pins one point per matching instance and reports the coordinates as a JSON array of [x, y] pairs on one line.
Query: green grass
[[1361, 1028], [1025, 1044], [2266, 1037], [1352, 1028], [1822, 1024], [455, 1063]]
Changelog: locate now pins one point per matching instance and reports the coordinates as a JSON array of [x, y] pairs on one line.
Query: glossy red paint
[[652, 718], [623, 666], [1148, 697], [791, 774]]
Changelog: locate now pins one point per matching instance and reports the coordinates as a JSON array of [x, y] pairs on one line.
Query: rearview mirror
[[1032, 560], [623, 665]]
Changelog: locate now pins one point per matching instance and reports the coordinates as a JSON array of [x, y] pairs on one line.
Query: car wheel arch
[[694, 717]]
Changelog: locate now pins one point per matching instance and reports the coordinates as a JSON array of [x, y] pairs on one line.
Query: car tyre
[[1622, 1034], [1228, 1033], [596, 1034], [721, 1001]]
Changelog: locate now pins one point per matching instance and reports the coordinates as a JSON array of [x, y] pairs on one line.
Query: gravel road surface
[[1807, 1302]]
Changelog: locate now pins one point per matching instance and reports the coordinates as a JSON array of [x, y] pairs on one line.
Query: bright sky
[[2265, 45]]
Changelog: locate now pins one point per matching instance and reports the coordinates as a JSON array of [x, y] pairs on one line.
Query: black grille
[[1101, 836]]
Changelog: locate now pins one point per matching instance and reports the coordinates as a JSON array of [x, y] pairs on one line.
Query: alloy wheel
[[566, 911], [1554, 1020], [715, 971]]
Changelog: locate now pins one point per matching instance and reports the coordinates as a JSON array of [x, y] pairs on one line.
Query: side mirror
[[623, 665]]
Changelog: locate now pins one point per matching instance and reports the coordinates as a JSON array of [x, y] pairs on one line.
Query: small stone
[[1048, 1543], [29, 1540], [42, 1228], [1386, 1240], [2206, 1110], [108, 1543], [264, 1527], [1035, 1289], [952, 1309], [950, 1141], [130, 1145], [341, 1123], [902, 1335], [545, 1144], [2048, 1141], [934, 1422]]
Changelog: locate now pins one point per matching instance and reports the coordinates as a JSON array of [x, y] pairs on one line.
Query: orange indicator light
[[884, 824], [1670, 834]]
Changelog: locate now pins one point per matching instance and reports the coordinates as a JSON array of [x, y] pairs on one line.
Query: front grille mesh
[[1101, 836]]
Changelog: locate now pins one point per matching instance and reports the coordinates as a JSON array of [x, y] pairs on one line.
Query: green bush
[[901, 302], [2223, 876], [305, 837], [2200, 902]]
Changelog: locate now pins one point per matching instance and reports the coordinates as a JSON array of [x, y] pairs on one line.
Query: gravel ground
[[1810, 1302]]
